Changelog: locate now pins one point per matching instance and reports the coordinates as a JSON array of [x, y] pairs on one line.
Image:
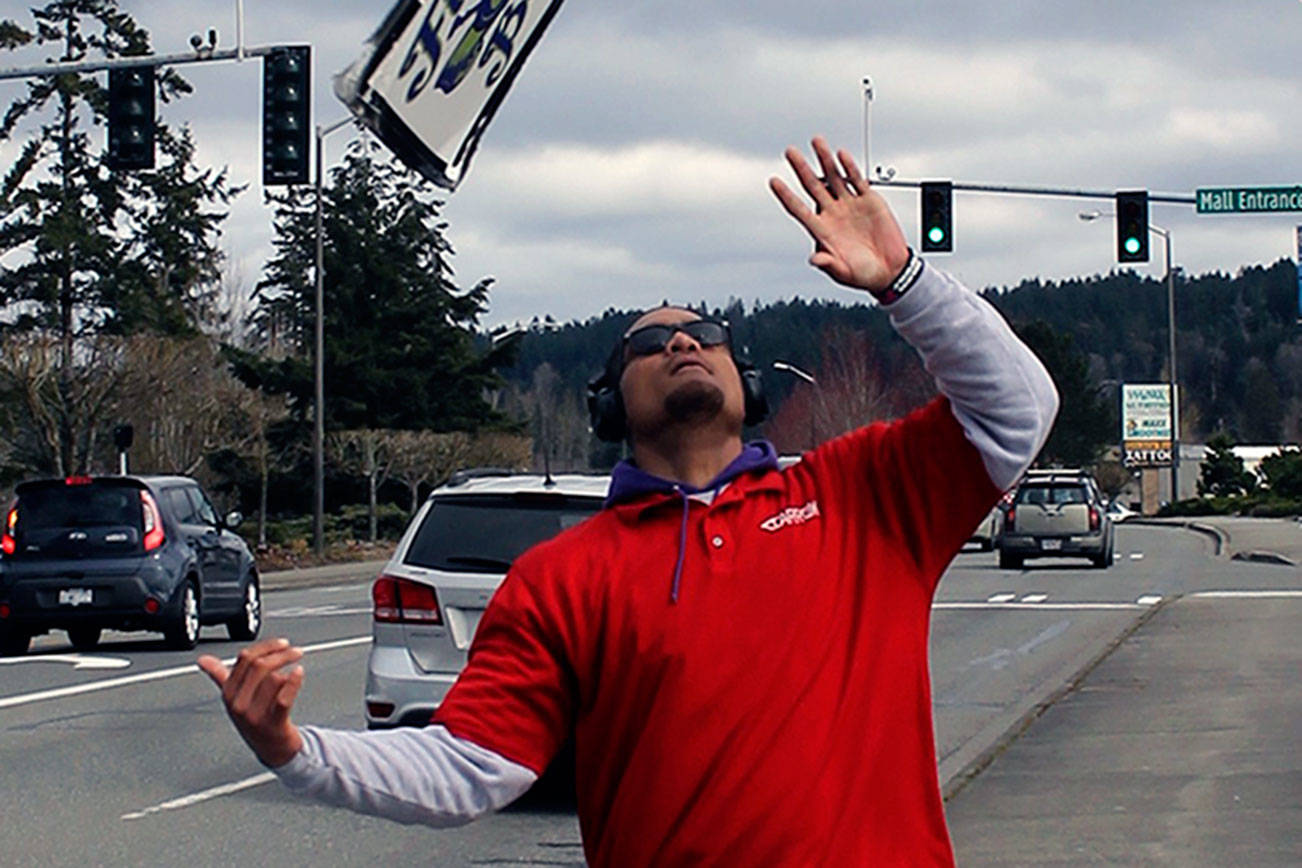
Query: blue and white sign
[[436, 71]]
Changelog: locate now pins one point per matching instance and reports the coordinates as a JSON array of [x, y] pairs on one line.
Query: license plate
[[1051, 545], [76, 597]]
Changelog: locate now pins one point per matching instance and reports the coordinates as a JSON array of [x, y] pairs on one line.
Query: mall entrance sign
[[1248, 200]]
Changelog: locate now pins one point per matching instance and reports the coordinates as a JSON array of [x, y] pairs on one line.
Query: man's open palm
[[857, 241], [259, 696]]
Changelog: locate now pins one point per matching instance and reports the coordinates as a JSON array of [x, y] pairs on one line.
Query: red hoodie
[[779, 711]]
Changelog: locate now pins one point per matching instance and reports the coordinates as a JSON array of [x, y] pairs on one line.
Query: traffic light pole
[[1175, 400], [199, 55], [888, 180], [318, 353]]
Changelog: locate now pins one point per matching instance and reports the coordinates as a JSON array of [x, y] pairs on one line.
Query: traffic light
[[286, 86], [131, 118], [937, 216], [1132, 226]]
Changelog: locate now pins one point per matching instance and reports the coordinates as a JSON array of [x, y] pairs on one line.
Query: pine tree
[[1221, 473]]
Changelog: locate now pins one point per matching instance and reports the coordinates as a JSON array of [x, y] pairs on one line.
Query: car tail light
[[401, 601], [379, 709], [152, 606], [7, 543], [5, 611], [153, 521], [78, 480], [1012, 516], [1094, 518]]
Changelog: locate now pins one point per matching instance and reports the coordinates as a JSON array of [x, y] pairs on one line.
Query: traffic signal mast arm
[[197, 56], [1060, 192]]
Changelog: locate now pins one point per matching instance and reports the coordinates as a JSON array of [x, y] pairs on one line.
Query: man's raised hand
[[857, 241], [258, 697]]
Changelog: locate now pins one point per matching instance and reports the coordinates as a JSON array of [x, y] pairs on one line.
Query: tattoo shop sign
[[1146, 424], [435, 72]]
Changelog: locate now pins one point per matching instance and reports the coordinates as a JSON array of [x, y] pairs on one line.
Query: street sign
[[1146, 424], [1248, 200]]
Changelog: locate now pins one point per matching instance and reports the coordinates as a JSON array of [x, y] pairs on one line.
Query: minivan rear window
[[486, 533], [95, 504], [1052, 494]]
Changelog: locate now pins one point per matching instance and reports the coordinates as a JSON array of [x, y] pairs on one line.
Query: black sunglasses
[[652, 339]]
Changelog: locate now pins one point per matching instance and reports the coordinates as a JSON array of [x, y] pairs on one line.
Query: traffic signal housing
[[1132, 226], [286, 115], [131, 118], [937, 216]]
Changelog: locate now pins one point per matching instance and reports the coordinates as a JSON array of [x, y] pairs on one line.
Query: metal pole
[[318, 401], [1175, 403], [202, 55]]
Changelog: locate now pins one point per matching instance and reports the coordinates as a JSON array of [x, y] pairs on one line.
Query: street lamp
[[1089, 216], [318, 400], [808, 378]]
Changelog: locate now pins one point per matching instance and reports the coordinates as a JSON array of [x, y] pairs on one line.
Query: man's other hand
[[857, 241], [258, 697]]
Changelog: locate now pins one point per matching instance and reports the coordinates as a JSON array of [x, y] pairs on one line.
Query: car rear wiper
[[475, 561]]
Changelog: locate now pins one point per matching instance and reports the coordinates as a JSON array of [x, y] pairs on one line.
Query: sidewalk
[[1183, 747], [330, 574]]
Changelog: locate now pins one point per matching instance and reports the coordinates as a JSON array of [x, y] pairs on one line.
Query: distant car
[[1056, 514], [1119, 512], [986, 534], [84, 554], [452, 557]]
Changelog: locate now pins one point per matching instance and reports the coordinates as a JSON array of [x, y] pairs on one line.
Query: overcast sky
[[629, 163]]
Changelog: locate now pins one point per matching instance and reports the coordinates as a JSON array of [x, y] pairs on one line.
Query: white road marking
[[1136, 556], [1149, 600], [158, 675], [317, 611], [1038, 607], [1035, 598], [1247, 595], [1001, 598], [78, 661], [202, 796]]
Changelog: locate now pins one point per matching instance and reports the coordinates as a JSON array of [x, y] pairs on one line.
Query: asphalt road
[[129, 760]]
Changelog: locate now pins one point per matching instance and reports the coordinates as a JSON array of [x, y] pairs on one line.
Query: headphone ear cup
[[606, 404], [752, 387]]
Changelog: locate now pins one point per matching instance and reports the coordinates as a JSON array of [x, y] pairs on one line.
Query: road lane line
[[316, 611], [1247, 595], [78, 661], [1149, 600], [202, 796], [1035, 598], [1001, 598], [157, 675], [1040, 607], [1137, 556]]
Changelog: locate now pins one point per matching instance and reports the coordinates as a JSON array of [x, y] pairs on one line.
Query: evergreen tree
[[1221, 473], [89, 250], [1283, 473], [1086, 422], [399, 348]]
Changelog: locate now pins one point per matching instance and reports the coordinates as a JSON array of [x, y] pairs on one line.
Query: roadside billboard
[[1146, 424]]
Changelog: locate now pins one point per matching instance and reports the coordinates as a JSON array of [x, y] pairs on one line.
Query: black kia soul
[[125, 552]]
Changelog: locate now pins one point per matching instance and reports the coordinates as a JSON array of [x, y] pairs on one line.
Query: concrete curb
[[317, 577], [1260, 557], [972, 758], [1219, 537]]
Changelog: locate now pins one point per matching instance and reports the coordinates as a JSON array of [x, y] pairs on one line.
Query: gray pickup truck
[[1056, 514]]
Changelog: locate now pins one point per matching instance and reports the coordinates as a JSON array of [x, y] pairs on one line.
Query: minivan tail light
[[402, 601], [153, 521], [1094, 518], [78, 480]]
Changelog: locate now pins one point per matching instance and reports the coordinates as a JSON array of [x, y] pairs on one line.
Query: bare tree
[[557, 419], [365, 452], [423, 458]]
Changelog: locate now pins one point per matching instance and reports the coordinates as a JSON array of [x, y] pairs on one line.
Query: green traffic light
[[1132, 245], [936, 235]]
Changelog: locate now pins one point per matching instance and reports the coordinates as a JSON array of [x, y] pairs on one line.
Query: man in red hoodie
[[740, 652]]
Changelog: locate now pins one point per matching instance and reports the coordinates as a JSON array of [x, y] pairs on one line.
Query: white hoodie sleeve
[[426, 776], [999, 391]]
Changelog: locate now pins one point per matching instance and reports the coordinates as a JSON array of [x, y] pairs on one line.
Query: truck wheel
[[84, 638], [182, 629]]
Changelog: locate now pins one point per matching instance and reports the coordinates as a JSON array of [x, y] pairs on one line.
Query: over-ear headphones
[[606, 404]]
